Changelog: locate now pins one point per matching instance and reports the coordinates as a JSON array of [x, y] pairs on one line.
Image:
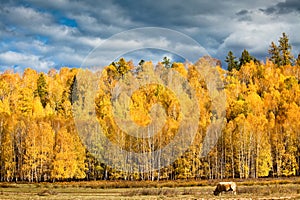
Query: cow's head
[[216, 192]]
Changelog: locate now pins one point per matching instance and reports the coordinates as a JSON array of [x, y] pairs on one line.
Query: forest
[[39, 138]]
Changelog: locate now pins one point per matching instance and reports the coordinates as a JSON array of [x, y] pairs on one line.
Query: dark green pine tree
[[275, 54], [42, 90], [139, 68], [286, 50], [231, 62], [298, 60], [73, 91], [166, 62], [245, 58]]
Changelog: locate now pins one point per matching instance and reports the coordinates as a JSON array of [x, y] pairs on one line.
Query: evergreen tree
[[298, 60], [139, 68], [141, 63], [231, 62], [166, 62], [42, 90], [286, 50], [275, 54], [245, 58], [281, 55]]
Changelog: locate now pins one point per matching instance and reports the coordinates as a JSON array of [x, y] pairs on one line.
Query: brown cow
[[225, 187]]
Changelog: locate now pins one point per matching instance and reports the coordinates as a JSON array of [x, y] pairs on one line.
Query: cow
[[225, 187]]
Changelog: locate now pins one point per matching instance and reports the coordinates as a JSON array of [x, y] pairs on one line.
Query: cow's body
[[225, 187]]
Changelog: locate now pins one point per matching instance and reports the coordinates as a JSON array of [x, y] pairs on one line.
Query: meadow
[[288, 188]]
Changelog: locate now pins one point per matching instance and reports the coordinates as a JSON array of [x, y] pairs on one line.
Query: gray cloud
[[33, 32], [285, 7], [242, 12], [244, 15]]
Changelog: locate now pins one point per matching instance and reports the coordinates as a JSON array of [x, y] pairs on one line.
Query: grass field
[[250, 189]]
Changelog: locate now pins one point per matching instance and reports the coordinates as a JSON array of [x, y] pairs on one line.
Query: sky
[[52, 34]]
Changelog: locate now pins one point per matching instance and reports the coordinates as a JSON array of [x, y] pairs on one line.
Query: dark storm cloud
[[242, 12], [285, 7], [244, 15], [174, 13], [98, 17], [207, 22]]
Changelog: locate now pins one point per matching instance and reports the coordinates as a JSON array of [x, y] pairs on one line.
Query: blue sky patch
[[67, 22]]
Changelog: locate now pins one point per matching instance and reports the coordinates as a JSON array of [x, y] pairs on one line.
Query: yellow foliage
[[260, 138]]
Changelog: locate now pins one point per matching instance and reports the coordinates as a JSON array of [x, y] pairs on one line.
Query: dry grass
[[47, 193], [169, 192], [133, 184], [255, 189]]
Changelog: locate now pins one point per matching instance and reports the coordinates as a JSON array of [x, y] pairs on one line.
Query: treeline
[[39, 140], [280, 55]]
